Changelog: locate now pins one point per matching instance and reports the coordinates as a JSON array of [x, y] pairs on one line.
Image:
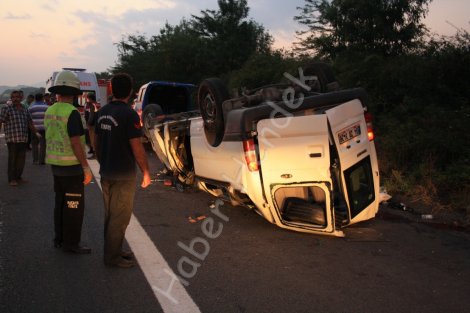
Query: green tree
[[135, 56], [180, 54], [230, 37], [213, 44], [103, 75], [384, 27], [263, 69]]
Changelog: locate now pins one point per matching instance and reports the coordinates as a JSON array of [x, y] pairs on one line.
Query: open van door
[[299, 190], [358, 163]]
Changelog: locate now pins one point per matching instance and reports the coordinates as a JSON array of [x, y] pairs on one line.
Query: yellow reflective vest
[[58, 147]]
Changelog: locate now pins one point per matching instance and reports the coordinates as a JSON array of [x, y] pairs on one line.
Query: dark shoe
[[123, 263], [13, 183], [78, 250], [128, 255]]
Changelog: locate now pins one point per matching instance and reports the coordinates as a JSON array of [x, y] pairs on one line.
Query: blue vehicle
[[163, 99]]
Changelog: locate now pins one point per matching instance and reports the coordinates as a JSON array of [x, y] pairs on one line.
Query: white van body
[[311, 169]]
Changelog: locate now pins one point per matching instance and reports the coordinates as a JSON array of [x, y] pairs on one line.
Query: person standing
[[91, 107], [47, 99], [17, 121], [37, 110], [65, 153], [26, 102], [118, 148], [29, 100]]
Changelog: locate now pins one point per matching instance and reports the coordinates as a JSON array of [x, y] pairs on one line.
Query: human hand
[[88, 175], [145, 180], [38, 135]]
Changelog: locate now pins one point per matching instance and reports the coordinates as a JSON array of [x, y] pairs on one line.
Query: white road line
[[166, 287]]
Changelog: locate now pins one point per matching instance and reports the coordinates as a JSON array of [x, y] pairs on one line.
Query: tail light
[[249, 148], [370, 130]]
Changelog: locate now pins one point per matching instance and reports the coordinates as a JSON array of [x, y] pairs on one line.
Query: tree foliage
[[212, 44], [230, 37], [419, 86], [385, 27]]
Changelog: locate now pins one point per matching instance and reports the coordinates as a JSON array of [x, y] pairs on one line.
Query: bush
[[422, 117]]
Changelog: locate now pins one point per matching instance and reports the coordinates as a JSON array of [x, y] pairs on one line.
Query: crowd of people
[[58, 135]]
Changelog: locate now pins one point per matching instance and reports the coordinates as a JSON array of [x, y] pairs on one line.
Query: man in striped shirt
[[37, 110]]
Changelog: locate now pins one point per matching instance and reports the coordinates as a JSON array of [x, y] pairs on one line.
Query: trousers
[[118, 196], [69, 209], [39, 148], [16, 160]]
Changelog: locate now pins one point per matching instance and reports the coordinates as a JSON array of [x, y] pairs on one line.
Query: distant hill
[[6, 90]]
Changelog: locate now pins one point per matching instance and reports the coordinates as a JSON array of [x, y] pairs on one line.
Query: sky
[[42, 36]]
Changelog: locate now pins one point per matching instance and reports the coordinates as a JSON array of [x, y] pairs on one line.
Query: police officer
[[65, 152]]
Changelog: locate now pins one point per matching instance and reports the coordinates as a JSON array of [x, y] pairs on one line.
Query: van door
[[294, 164], [358, 163]]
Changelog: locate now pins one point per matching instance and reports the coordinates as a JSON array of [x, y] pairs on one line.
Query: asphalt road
[[250, 266]]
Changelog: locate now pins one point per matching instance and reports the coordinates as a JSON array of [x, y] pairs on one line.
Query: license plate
[[349, 133]]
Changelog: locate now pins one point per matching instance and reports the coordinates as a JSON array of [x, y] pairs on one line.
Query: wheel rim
[[148, 120], [210, 108]]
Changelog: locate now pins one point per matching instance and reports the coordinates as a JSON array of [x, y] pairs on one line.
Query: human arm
[[2, 117], [31, 125], [97, 143], [141, 159], [91, 115], [77, 149], [34, 130], [75, 131]]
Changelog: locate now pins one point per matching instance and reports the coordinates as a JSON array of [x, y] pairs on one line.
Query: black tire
[[148, 115], [326, 78], [211, 94]]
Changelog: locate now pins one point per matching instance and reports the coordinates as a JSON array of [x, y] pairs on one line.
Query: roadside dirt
[[404, 209]]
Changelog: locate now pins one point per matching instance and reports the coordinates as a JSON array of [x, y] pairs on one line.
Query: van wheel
[[148, 115], [211, 94], [326, 78]]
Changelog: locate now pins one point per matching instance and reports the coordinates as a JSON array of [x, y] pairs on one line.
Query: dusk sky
[[41, 36]]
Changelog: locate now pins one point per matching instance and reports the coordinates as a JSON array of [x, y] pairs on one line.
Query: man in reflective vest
[[65, 153]]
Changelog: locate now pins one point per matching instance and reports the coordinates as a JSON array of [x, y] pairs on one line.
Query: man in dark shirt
[[118, 147]]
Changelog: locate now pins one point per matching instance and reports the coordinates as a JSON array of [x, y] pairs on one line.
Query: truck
[[300, 153]]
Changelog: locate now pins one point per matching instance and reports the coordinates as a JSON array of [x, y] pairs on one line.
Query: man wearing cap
[[65, 153]]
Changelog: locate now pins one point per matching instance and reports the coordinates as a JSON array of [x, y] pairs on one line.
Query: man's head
[[29, 99], [90, 97], [39, 97], [66, 83], [16, 96], [47, 98], [121, 85]]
